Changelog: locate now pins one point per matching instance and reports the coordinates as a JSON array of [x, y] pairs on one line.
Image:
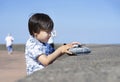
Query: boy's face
[[43, 36]]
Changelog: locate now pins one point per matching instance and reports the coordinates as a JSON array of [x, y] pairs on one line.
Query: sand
[[101, 65], [12, 66]]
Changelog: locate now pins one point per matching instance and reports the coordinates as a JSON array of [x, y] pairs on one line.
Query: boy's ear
[[35, 34]]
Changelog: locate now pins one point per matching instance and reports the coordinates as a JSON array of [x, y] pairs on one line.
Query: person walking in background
[[9, 43], [51, 39], [38, 52]]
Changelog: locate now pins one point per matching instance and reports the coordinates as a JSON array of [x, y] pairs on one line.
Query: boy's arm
[[46, 60]]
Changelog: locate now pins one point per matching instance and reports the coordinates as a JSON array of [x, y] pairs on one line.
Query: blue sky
[[86, 21]]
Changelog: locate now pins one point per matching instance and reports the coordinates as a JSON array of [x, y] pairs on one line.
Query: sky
[[84, 21]]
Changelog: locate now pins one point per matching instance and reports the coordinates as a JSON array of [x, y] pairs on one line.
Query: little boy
[[38, 52]]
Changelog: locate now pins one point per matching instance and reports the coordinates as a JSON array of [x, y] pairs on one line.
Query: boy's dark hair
[[38, 22]]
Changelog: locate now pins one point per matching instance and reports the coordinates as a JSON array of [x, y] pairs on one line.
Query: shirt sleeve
[[34, 50]]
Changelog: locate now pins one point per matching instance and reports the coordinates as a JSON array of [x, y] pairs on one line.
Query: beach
[[101, 65], [12, 66]]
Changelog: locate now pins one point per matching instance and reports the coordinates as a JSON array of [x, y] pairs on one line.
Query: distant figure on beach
[[38, 52], [51, 39], [9, 43]]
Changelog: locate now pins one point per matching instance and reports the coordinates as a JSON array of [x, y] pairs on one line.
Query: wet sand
[[12, 66]]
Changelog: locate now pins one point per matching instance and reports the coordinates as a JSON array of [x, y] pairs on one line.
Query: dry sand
[[101, 65], [12, 67]]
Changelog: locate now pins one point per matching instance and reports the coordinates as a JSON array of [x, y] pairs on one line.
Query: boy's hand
[[65, 48]]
